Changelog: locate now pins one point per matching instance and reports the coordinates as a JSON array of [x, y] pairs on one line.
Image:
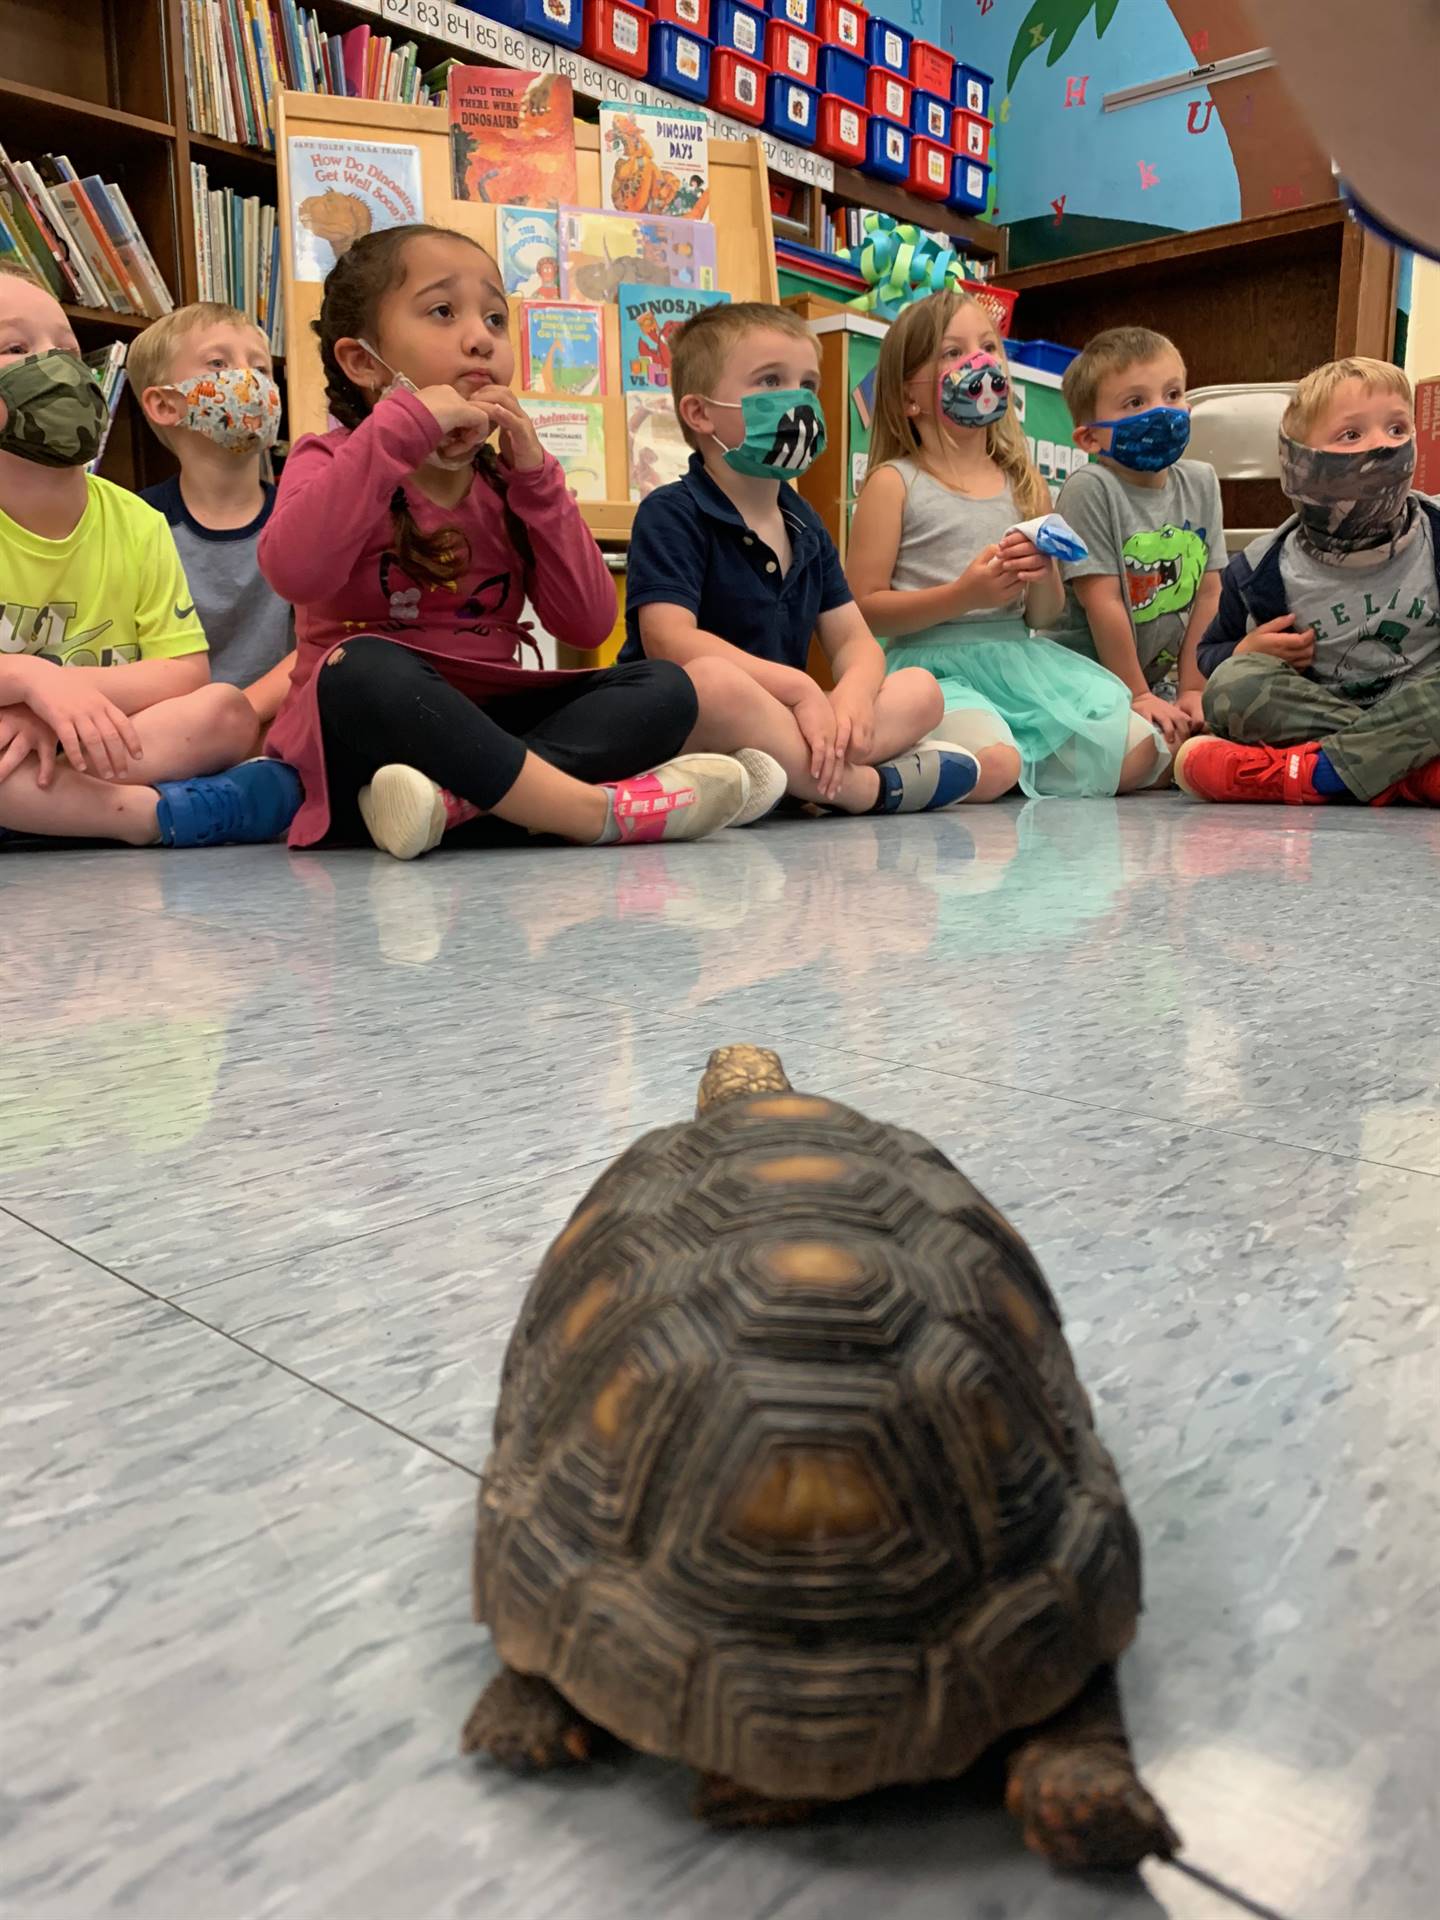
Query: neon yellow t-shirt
[[112, 591]]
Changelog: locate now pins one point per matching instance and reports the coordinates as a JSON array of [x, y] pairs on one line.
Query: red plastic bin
[[791, 51], [841, 23], [840, 130], [737, 86], [887, 94], [931, 67], [931, 168], [970, 134], [693, 15], [618, 35]]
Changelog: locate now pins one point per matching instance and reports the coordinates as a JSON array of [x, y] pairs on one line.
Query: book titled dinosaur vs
[[650, 317], [512, 137], [655, 160]]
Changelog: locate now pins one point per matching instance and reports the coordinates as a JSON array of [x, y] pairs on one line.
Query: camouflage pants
[[1255, 698]]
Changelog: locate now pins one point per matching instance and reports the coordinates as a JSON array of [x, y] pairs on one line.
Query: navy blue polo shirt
[[690, 548]]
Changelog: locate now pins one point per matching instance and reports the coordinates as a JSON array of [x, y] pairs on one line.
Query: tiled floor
[[281, 1140]]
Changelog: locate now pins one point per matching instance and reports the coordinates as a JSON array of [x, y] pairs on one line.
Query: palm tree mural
[[1276, 159]]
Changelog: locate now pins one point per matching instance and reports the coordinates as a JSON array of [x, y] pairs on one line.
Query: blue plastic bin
[[1047, 356], [743, 28], [798, 13], [679, 60], [843, 74], [887, 149], [972, 89], [931, 115], [887, 45], [971, 189], [791, 109], [558, 20]]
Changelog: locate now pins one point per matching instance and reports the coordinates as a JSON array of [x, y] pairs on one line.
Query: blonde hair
[[912, 342], [17, 270], [152, 353], [702, 346], [1109, 352], [1319, 387]]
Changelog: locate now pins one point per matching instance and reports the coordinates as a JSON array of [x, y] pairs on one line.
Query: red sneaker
[[1421, 788], [1211, 769]]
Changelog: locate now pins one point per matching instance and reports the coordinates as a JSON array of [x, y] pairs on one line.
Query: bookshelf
[[122, 112]]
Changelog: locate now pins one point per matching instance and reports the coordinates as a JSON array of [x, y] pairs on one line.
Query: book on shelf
[[108, 367], [240, 53], [237, 253], [650, 317], [574, 431], [512, 137], [564, 348], [78, 237]]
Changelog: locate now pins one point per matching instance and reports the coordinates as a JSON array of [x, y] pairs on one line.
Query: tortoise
[[793, 1481]]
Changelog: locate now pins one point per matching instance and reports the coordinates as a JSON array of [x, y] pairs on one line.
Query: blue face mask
[[1148, 442]]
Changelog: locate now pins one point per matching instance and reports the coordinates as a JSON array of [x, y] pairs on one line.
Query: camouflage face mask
[[1347, 501], [54, 410]]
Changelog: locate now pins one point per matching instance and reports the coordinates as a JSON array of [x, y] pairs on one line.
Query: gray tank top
[[942, 532]]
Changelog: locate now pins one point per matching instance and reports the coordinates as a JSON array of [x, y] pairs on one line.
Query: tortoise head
[[733, 1072]]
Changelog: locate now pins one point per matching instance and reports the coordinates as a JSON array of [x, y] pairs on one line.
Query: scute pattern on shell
[[793, 1478]]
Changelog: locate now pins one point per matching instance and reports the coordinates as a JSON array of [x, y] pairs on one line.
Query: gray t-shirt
[[1157, 542], [1375, 620], [249, 627]]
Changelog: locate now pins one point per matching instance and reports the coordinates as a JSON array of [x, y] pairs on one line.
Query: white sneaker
[[406, 814], [768, 786], [689, 797]]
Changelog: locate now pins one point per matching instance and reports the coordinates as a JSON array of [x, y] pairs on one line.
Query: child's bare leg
[[736, 711], [1142, 759], [909, 705], [202, 732], [547, 801]]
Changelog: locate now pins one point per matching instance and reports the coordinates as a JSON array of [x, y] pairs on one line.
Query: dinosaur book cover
[[657, 450], [341, 189], [574, 431], [655, 160], [602, 252], [564, 348], [650, 317], [512, 137], [528, 243]]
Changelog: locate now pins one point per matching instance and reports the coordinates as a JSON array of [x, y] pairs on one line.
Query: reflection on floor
[[281, 1140]]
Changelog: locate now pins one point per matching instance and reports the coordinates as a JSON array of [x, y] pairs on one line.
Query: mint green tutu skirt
[[1069, 717]]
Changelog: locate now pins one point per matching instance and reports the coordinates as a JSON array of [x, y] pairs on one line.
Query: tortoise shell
[[793, 1479]]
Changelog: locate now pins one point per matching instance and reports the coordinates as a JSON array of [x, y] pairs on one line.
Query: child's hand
[[815, 718], [1279, 639], [97, 737], [467, 425], [854, 711], [1173, 721], [520, 446], [1021, 558], [986, 582], [21, 734], [1192, 705]]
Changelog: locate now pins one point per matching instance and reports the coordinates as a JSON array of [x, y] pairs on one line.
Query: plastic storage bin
[[970, 186], [931, 67], [887, 45], [887, 150], [800, 13], [693, 15], [558, 20], [971, 134], [792, 110], [843, 74], [679, 60], [791, 51], [932, 115], [932, 168], [887, 93], [740, 27], [972, 89], [841, 134], [737, 85], [1045, 355], [618, 35], [841, 23]]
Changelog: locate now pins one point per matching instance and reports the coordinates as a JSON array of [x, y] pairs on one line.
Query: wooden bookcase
[[103, 81]]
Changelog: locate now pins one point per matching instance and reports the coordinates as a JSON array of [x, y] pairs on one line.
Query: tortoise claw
[[526, 1725]]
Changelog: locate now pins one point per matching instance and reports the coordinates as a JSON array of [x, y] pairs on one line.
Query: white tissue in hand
[[1053, 534]]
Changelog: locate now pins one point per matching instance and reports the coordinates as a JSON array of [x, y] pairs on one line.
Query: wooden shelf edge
[[1262, 230], [262, 157], [77, 109], [103, 317]]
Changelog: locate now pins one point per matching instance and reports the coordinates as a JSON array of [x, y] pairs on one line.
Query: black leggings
[[380, 702]]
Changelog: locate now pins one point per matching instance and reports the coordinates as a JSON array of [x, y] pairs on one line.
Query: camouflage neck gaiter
[[1347, 501], [54, 410]]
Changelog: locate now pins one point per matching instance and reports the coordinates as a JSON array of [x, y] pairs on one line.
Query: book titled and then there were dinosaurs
[[512, 137]]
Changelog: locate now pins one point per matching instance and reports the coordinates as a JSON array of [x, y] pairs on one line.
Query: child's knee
[[922, 695], [999, 772], [230, 722]]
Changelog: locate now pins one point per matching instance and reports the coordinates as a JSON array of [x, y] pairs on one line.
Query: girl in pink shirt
[[409, 546]]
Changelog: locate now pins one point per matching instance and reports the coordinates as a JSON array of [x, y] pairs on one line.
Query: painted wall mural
[[1071, 177]]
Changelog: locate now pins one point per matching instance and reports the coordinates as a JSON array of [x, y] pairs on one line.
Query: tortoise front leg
[[1072, 1785], [525, 1724], [723, 1803]]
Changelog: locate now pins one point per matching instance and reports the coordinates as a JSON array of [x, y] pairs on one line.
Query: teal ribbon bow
[[900, 263]]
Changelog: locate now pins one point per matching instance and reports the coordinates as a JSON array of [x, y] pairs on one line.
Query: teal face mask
[[784, 433]]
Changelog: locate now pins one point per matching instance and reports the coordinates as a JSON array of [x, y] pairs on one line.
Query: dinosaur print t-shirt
[[1157, 542], [111, 592]]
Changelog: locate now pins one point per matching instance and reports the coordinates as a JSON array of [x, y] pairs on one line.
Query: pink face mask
[[973, 393]]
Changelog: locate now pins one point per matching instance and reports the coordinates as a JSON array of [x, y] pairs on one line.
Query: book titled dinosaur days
[[601, 252], [655, 160], [512, 137], [650, 317]]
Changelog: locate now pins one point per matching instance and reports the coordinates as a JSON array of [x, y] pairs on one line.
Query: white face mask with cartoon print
[[236, 407]]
